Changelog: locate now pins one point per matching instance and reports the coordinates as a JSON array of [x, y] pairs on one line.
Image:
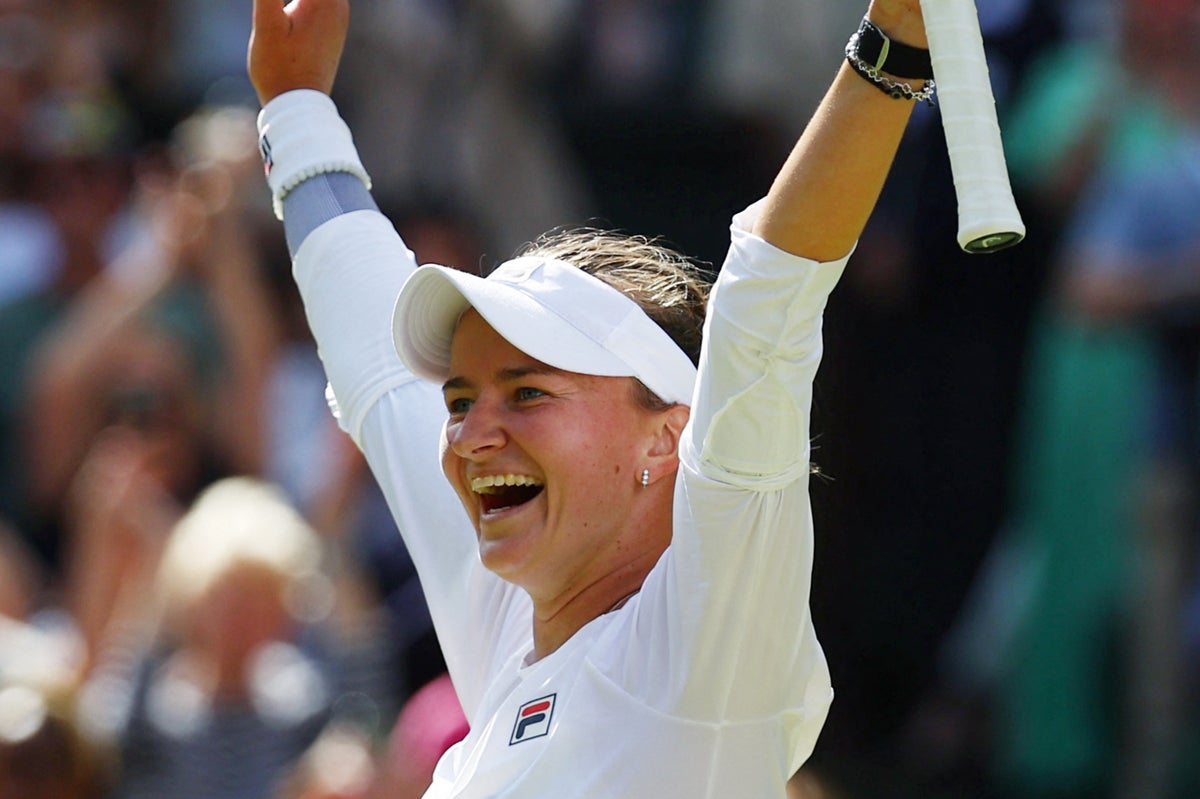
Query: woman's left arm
[[743, 545], [828, 187]]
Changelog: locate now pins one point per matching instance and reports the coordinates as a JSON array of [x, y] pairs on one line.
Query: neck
[[613, 578], [555, 623]]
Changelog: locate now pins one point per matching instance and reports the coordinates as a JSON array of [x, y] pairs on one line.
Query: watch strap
[[885, 54]]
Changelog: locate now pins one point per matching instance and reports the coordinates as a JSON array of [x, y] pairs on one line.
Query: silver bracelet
[[892, 88]]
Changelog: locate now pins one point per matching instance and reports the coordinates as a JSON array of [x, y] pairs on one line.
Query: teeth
[[489, 483]]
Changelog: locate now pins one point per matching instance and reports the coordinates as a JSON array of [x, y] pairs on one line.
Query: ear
[[662, 456]]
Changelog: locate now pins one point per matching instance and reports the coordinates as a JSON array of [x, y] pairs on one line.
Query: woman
[[651, 519]]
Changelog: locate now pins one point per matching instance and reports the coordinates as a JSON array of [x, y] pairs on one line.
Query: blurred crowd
[[202, 593]]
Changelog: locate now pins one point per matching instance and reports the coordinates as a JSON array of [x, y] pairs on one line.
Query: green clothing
[[1085, 409]]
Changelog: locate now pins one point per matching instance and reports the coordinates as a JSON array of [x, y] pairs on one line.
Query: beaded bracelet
[[892, 88]]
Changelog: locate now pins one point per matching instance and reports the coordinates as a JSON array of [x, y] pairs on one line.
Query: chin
[[501, 557]]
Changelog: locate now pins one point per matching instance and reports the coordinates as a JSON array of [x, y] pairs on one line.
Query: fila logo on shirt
[[533, 720]]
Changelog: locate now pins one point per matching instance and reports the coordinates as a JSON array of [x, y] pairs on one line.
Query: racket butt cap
[[991, 242]]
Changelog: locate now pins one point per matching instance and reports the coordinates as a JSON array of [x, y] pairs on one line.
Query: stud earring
[[645, 477]]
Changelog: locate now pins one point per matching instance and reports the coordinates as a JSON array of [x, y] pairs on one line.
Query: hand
[[297, 46], [901, 20], [119, 518], [119, 492]]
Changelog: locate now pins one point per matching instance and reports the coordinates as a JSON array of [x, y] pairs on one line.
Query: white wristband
[[300, 134]]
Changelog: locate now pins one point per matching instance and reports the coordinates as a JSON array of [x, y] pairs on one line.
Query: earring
[[645, 477]]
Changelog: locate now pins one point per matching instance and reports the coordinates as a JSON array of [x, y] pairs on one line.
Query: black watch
[[887, 55]]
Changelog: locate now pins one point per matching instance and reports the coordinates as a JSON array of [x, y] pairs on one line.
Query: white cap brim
[[549, 310]]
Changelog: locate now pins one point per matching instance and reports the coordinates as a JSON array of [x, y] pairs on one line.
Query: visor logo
[[533, 720], [517, 270]]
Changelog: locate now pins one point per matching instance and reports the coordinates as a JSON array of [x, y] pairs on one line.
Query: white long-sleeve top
[[710, 682]]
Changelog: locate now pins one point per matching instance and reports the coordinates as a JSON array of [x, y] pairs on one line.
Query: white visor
[[551, 311]]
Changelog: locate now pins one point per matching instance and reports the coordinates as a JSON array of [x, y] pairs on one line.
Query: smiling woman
[[588, 531], [634, 476]]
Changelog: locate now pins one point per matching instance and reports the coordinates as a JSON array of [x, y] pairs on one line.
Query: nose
[[478, 432]]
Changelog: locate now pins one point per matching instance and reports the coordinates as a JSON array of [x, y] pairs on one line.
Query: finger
[[318, 12], [269, 15]]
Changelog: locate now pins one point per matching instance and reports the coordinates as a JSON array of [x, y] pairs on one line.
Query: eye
[[458, 405], [525, 393]]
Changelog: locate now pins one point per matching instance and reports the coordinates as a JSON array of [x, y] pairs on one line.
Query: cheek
[[602, 454], [444, 453], [451, 467]]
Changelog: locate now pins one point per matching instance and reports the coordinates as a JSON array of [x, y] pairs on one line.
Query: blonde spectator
[[239, 533], [220, 690]]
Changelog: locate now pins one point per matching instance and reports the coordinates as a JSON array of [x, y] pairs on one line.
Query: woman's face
[[546, 462]]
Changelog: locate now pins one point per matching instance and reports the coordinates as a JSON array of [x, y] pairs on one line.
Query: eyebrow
[[506, 375]]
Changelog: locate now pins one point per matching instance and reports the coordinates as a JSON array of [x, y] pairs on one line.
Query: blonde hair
[[668, 286], [235, 522]]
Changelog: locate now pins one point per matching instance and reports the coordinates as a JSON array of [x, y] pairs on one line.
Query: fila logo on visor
[[533, 720]]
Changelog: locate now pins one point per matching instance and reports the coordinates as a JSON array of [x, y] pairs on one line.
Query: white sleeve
[[750, 418], [349, 271], [731, 596]]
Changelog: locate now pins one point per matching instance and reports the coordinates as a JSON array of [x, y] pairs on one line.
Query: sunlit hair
[[235, 522], [670, 288]]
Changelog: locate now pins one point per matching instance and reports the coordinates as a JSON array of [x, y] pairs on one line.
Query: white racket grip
[[988, 218]]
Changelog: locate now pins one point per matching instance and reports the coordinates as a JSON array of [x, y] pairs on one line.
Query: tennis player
[[610, 520]]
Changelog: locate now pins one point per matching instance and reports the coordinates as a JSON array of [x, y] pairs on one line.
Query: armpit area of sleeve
[[758, 440], [753, 252], [751, 416]]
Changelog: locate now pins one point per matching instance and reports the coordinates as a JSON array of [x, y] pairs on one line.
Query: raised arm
[[838, 167], [349, 264]]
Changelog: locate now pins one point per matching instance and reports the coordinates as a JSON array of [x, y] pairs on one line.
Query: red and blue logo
[[533, 720]]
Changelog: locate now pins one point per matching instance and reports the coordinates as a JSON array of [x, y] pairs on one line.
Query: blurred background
[[201, 593]]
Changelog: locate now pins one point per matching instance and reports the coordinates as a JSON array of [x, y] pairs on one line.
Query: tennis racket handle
[[988, 218]]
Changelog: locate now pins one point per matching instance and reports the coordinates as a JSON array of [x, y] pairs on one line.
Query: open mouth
[[503, 491]]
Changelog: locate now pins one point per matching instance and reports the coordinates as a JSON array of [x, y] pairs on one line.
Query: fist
[[297, 46]]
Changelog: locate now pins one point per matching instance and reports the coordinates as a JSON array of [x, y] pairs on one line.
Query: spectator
[[43, 754], [142, 343], [1115, 180], [218, 685], [431, 722], [340, 764]]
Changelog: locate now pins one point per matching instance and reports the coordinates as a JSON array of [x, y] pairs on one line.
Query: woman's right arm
[[349, 264]]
